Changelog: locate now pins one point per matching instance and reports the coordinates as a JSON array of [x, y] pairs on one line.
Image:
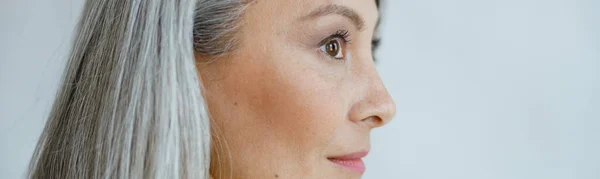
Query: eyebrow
[[358, 21]]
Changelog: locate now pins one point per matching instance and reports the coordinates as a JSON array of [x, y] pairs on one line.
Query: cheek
[[296, 106], [278, 107], [300, 107], [293, 97], [274, 109]]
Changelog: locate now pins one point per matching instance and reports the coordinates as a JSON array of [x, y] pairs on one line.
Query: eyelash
[[342, 34], [339, 34]]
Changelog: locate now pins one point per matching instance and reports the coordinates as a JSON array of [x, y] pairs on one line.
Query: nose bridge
[[375, 102]]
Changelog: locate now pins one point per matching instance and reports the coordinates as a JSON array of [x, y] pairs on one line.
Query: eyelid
[[342, 34]]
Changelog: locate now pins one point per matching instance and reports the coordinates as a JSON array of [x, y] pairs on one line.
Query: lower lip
[[356, 165]]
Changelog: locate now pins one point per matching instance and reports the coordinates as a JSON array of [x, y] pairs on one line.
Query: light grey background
[[504, 89]]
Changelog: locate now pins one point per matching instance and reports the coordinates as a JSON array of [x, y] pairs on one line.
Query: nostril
[[373, 121]]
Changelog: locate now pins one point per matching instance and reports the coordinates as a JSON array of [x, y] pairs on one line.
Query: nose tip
[[385, 110], [388, 110], [376, 109]]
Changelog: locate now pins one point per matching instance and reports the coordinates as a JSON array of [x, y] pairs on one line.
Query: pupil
[[332, 48]]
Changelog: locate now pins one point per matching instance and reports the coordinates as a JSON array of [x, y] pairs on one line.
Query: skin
[[280, 106]]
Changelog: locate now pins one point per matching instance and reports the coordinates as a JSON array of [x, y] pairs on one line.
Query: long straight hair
[[131, 103]]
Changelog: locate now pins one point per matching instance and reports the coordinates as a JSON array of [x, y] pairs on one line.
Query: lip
[[352, 161]]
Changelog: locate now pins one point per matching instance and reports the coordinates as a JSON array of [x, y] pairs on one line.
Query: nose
[[373, 104]]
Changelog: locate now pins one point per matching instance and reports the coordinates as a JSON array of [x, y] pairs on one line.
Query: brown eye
[[334, 48]]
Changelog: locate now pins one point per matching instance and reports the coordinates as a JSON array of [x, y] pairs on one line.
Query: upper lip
[[350, 156]]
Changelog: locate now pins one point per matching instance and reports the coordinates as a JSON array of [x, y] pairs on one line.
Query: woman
[[289, 87]]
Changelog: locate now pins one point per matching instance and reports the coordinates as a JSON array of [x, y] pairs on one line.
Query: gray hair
[[131, 103]]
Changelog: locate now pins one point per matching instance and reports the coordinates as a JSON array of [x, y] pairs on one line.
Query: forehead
[[286, 11]]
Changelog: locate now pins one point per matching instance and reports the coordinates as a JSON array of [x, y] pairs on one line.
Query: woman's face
[[300, 95]]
